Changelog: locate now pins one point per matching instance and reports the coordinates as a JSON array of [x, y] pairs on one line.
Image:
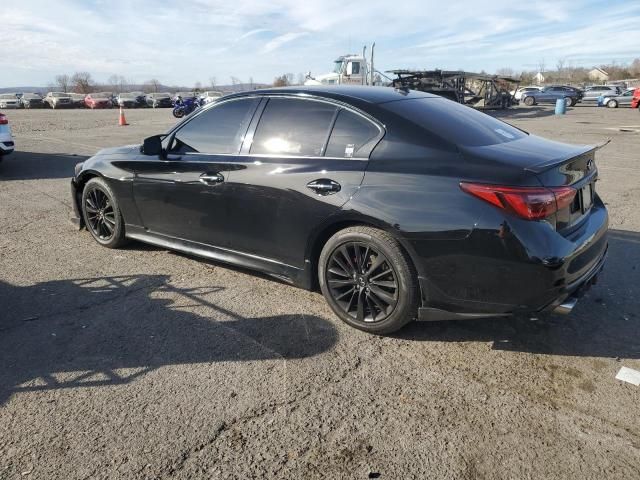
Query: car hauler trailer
[[473, 89]]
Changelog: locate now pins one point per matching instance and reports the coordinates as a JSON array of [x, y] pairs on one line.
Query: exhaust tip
[[565, 307]]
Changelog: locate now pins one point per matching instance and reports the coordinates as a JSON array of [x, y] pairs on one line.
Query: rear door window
[[290, 126], [351, 136], [218, 130], [455, 123]]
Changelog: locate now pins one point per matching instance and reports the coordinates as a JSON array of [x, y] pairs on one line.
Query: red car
[[635, 103], [98, 100]]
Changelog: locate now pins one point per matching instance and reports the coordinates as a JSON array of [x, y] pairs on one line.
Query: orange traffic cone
[[123, 121]]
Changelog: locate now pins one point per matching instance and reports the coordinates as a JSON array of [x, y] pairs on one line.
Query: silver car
[[622, 100], [9, 100], [591, 94]]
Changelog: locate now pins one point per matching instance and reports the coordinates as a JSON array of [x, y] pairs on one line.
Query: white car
[[518, 93], [6, 140], [9, 100]]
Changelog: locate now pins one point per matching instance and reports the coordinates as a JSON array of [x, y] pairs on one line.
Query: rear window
[[455, 123]]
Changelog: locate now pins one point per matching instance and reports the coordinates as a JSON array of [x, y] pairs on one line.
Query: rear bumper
[[523, 267]]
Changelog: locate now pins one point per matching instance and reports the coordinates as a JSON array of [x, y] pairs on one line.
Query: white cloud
[[280, 40]]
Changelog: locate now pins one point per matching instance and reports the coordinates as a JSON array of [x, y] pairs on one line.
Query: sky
[[188, 41]]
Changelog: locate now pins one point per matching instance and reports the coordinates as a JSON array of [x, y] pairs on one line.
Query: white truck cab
[[351, 69]]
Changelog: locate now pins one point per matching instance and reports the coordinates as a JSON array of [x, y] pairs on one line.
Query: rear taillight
[[530, 203], [3, 119]]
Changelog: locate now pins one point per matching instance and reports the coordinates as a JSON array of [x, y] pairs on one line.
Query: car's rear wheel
[[529, 101], [368, 280], [102, 215], [568, 101], [612, 104]]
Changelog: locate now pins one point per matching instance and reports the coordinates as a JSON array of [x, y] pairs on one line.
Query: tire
[[529, 101], [108, 230], [568, 101], [381, 300], [612, 104]]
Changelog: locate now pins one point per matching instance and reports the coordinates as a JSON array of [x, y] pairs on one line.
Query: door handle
[[324, 186], [211, 178]]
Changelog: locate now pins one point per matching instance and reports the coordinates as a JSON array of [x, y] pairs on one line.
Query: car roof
[[375, 95]]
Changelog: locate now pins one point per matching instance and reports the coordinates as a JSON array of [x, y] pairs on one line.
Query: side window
[[219, 130], [355, 68], [293, 127], [350, 133]]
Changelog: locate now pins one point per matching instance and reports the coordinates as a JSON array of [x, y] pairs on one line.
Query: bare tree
[[152, 85], [117, 83], [281, 81], [505, 72], [541, 66], [82, 82], [198, 87], [301, 79], [212, 82], [63, 82]]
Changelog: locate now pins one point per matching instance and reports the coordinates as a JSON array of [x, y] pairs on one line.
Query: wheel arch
[[330, 228], [78, 185]]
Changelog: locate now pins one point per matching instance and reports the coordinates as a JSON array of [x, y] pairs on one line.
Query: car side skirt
[[281, 271]]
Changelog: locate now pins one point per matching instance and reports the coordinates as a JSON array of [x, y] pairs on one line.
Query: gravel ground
[[141, 363]]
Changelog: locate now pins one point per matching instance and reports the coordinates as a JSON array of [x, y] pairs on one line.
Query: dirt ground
[[141, 363]]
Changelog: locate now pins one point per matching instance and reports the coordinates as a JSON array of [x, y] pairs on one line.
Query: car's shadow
[[110, 330], [606, 322], [30, 165]]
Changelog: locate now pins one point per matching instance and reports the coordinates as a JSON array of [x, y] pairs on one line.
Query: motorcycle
[[185, 107]]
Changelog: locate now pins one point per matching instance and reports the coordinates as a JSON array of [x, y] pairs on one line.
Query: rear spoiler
[[580, 150]]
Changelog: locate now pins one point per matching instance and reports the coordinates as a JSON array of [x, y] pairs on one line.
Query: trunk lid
[[550, 164]]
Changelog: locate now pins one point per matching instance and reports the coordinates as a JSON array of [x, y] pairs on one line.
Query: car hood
[[125, 150]]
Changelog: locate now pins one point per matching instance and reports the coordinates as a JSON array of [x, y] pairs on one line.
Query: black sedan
[[398, 204]]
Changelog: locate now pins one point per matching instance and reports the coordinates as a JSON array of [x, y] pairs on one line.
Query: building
[[538, 78], [598, 75]]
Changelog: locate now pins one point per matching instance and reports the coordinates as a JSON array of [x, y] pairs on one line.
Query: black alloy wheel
[[362, 282], [368, 280], [102, 216]]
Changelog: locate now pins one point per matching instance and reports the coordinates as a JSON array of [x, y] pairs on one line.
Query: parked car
[[31, 100], [58, 100], [141, 98], [551, 94], [157, 100], [517, 94], [459, 215], [127, 100], [210, 95], [9, 100], [591, 94], [623, 100], [78, 99], [97, 100], [6, 139]]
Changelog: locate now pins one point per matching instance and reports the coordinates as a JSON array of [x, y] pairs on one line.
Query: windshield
[[455, 123], [30, 95], [59, 94], [337, 68], [126, 95], [7, 95]]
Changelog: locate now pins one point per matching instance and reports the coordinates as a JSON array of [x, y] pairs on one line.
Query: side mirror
[[153, 146], [349, 68]]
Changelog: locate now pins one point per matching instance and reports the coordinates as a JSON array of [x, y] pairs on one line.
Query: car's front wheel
[[612, 104], [529, 101], [102, 215], [368, 280]]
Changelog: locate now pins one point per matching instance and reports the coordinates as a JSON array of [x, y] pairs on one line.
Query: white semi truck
[[351, 69]]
